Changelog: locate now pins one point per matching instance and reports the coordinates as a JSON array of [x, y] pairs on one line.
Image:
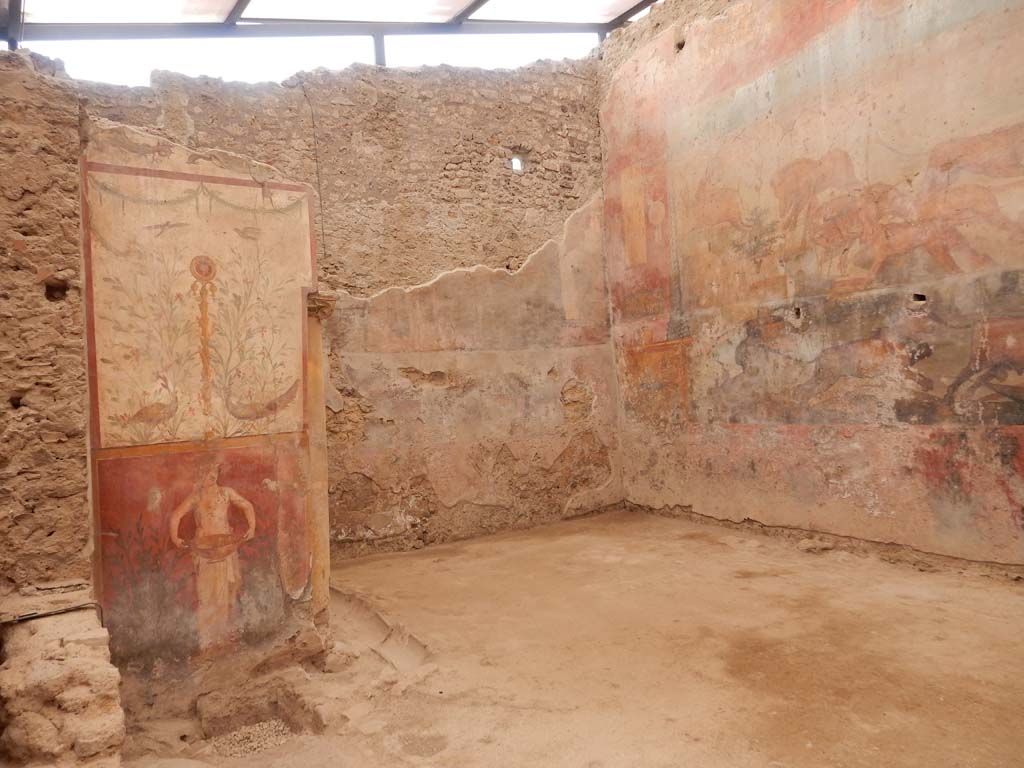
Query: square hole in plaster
[[55, 290], [920, 297]]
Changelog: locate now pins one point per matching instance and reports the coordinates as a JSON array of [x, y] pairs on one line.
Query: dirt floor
[[634, 640]]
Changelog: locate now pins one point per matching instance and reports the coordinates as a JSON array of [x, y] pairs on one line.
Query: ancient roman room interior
[[656, 404]]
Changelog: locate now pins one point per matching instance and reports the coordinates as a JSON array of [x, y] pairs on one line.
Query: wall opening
[[56, 289]]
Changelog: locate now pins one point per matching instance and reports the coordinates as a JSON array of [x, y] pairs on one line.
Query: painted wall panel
[[197, 271]]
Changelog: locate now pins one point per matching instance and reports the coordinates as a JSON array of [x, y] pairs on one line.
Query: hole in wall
[[519, 158], [920, 297], [797, 312], [680, 44], [920, 352], [56, 289], [15, 400]]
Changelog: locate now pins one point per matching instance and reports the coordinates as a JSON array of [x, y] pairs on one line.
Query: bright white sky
[[129, 62]]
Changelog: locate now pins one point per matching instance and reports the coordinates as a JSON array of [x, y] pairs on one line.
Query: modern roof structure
[[30, 20]]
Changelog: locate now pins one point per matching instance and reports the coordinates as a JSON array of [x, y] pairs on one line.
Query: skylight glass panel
[[355, 10], [125, 11], [486, 51], [580, 11], [250, 59]]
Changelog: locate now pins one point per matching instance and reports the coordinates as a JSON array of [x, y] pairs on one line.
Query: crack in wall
[[316, 164]]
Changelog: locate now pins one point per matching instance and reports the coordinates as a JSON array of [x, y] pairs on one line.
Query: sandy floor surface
[[633, 640]]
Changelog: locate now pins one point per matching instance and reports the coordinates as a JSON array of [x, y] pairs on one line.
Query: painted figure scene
[[595, 384]]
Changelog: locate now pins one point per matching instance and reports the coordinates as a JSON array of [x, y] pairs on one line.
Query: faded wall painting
[[198, 267], [838, 253], [479, 401]]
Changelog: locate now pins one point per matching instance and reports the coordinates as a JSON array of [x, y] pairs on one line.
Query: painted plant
[[195, 313]]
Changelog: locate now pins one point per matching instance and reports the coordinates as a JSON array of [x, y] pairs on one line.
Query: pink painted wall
[[815, 240]]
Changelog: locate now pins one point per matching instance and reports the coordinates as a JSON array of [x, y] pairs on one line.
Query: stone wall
[[60, 702], [479, 401], [815, 229], [44, 517], [624, 42], [414, 177], [412, 166], [414, 174], [839, 214]]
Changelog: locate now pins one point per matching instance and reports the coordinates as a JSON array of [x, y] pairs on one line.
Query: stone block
[[30, 736], [100, 733]]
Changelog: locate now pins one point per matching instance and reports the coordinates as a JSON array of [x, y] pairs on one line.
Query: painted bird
[[255, 411], [156, 413]]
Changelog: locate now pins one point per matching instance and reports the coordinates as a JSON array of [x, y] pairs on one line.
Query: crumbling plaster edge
[[643, 32], [558, 242], [230, 162]]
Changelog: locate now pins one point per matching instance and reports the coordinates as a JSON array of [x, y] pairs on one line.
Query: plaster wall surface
[[481, 400], [814, 231]]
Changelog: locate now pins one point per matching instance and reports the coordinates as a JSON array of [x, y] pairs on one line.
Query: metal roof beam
[[628, 14], [468, 11], [277, 28], [236, 11]]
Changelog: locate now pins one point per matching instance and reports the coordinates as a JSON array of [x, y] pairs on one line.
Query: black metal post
[[15, 24], [236, 12]]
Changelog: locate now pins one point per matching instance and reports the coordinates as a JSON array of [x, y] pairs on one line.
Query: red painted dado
[[155, 589]]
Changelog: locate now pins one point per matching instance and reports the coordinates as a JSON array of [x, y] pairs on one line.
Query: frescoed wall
[[197, 272], [815, 235], [479, 401]]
